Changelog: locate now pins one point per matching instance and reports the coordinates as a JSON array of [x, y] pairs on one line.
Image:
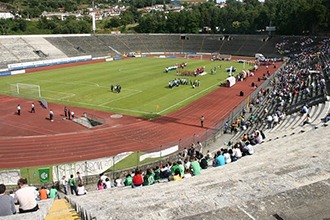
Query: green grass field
[[144, 84]]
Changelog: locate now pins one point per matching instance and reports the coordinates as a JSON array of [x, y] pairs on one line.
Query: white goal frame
[[20, 86], [194, 56]]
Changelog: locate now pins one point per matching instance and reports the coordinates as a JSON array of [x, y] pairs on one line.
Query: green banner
[[44, 175]]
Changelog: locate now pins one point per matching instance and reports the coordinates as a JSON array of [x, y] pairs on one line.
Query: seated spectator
[[7, 206], [219, 160], [26, 196], [99, 185], [304, 109], [157, 174], [43, 194], [103, 178], [187, 173], [81, 190], [107, 183], [137, 180], [204, 162], [248, 149], [128, 180], [53, 193], [176, 176], [195, 167], [232, 157], [118, 182], [227, 157], [237, 153], [148, 179], [177, 165]]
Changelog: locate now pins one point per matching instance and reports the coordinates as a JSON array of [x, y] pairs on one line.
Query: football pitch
[[144, 83]]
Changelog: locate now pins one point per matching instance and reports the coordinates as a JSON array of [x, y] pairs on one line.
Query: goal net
[[25, 90], [194, 56]]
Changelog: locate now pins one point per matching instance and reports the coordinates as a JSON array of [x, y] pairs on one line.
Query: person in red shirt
[[137, 179]]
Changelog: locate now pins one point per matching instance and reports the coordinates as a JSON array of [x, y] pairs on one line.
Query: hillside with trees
[[290, 17]]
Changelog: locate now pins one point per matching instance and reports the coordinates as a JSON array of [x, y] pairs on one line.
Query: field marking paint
[[190, 97], [74, 83], [122, 97], [108, 107], [68, 94]]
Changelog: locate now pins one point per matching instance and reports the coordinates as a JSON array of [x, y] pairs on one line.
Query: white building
[[6, 15]]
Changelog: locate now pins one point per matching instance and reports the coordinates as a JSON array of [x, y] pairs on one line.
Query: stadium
[[63, 71]]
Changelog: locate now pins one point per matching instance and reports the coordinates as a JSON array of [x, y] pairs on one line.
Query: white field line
[[121, 97], [64, 96], [74, 83], [111, 108], [184, 100]]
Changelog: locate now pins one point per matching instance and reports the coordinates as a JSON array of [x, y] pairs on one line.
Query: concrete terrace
[[288, 177]]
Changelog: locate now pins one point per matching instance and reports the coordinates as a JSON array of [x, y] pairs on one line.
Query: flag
[[44, 174]]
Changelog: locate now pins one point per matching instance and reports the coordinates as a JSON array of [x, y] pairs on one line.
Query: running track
[[32, 140]]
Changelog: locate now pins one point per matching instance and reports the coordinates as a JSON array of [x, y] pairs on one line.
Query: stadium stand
[[19, 48], [47, 48], [242, 189]]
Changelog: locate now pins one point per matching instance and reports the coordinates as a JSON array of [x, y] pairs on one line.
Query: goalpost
[[194, 56], [25, 90]]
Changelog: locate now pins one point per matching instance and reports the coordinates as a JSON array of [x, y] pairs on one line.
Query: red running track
[[31, 139]]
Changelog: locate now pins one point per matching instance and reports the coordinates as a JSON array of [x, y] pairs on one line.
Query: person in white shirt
[[64, 183], [26, 197], [81, 190], [227, 156]]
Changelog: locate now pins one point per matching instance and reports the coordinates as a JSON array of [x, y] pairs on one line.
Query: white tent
[[230, 81]]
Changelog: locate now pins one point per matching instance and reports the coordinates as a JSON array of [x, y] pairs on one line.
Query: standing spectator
[[26, 196], [33, 108], [69, 114], [7, 206], [200, 146], [72, 184], [18, 109], [64, 184], [65, 112], [79, 179], [51, 115], [202, 121]]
